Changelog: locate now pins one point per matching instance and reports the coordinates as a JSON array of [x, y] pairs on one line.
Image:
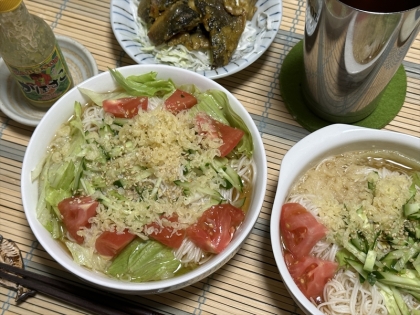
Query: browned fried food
[[224, 29], [149, 10], [194, 40], [177, 19], [198, 24]]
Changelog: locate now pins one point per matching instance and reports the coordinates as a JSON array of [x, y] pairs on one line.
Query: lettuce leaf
[[144, 261], [86, 256], [58, 180], [134, 85], [98, 98], [216, 104], [144, 84]]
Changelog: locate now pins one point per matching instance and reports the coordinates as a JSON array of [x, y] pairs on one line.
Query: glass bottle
[[30, 50]]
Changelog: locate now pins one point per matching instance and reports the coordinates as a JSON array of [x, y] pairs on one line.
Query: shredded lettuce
[[59, 179]]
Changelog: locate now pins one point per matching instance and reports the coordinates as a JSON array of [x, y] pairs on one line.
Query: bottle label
[[46, 81]]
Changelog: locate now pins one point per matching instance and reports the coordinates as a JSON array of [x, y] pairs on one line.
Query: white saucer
[[81, 64]]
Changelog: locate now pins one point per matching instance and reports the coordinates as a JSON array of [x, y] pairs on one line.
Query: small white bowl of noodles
[[61, 112], [311, 177]]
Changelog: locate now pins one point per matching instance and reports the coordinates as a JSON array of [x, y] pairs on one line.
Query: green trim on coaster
[[291, 75]]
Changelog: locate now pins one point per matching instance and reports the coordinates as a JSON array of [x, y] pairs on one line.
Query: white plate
[[81, 64], [266, 22]]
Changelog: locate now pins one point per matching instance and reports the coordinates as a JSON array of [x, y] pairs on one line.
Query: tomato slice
[[299, 229], [111, 243], [167, 235], [205, 125], [214, 229], [126, 107], [215, 129], [179, 101], [76, 212], [230, 136], [311, 274]]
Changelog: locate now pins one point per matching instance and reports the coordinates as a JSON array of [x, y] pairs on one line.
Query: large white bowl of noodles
[[61, 111], [332, 140]]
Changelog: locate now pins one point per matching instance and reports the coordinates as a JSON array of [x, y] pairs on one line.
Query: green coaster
[[291, 77]]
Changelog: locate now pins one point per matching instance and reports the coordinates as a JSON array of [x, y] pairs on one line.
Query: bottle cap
[[9, 5]]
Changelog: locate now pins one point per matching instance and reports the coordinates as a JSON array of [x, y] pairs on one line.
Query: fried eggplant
[[197, 39], [224, 29], [198, 24], [178, 18]]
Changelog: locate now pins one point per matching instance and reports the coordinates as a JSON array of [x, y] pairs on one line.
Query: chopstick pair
[[89, 300]]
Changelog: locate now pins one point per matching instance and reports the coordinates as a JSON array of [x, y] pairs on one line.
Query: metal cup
[[350, 56]]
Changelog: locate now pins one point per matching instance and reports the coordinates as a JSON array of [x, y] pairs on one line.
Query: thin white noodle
[[346, 295], [188, 252], [92, 118], [411, 302], [363, 300], [242, 167], [154, 102], [226, 194], [306, 201]]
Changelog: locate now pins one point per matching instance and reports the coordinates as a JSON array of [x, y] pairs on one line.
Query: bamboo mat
[[249, 283]]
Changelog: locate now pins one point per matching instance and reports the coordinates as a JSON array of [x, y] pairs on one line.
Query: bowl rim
[[61, 107], [309, 151]]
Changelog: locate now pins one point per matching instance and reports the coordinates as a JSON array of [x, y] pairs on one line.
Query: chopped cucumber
[[411, 210], [191, 189], [370, 260], [221, 166]]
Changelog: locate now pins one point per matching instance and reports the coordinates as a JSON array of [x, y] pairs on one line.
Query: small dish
[[265, 23], [81, 64]]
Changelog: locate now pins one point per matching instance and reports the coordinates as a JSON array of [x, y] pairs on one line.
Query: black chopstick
[[90, 300]]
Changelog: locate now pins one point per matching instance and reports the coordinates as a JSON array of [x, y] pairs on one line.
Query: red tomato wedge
[[311, 274], [179, 101], [167, 235], [126, 107], [112, 243], [299, 229], [76, 212], [214, 229], [205, 125], [215, 129]]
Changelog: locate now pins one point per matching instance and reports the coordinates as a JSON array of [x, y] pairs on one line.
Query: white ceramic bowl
[[63, 109], [331, 140]]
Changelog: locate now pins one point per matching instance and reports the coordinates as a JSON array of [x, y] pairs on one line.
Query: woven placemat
[[291, 79]]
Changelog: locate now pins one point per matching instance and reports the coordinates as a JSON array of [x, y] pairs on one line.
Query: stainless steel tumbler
[[351, 55]]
